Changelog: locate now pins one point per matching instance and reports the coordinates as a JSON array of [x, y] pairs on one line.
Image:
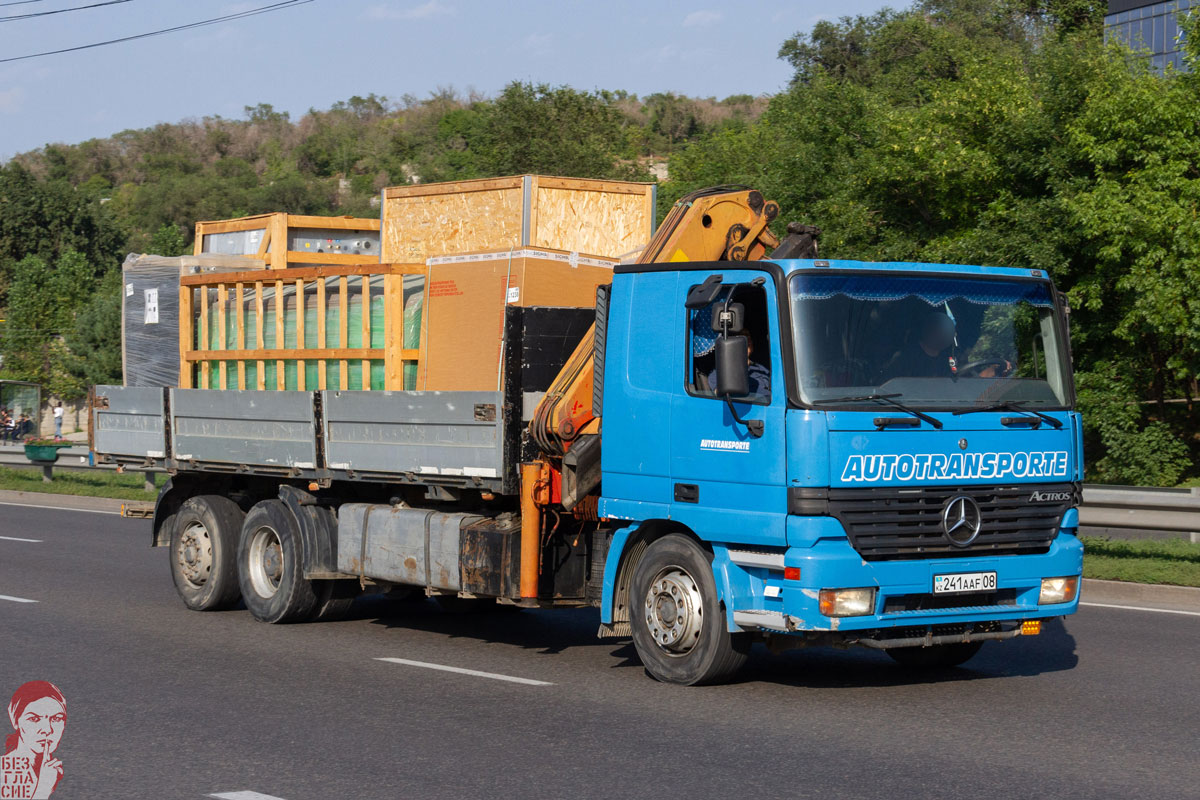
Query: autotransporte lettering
[[954, 466]]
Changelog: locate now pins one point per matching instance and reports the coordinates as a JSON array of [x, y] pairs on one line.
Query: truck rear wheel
[[939, 655], [679, 628], [332, 605], [204, 540], [271, 566]]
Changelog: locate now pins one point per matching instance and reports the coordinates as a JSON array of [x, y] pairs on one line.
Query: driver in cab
[[926, 355], [930, 354]]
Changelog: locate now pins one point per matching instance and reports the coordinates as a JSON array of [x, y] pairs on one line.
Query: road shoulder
[[1171, 598], [64, 501]]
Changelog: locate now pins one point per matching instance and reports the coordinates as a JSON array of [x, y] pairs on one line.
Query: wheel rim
[[266, 561], [194, 555], [674, 610]]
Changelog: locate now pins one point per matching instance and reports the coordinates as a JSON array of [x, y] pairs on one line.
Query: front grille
[[904, 523]]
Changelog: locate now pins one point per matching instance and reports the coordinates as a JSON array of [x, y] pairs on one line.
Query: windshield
[[933, 342]]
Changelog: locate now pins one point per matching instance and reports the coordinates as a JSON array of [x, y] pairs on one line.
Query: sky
[[315, 54]]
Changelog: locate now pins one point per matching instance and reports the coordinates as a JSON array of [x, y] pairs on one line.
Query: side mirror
[[732, 354]]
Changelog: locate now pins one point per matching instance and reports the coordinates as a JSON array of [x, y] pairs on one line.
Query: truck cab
[[898, 465]]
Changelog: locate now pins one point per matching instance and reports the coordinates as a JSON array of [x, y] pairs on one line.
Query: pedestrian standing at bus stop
[[58, 420]]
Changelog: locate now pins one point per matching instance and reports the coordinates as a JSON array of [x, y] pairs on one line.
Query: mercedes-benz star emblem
[[961, 520]]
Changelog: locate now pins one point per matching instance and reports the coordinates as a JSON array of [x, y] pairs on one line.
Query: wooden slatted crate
[[295, 329], [288, 240]]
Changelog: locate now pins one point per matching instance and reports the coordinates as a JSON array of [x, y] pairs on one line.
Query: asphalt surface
[[166, 703]]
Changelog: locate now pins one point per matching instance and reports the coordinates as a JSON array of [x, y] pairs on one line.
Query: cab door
[[729, 485]]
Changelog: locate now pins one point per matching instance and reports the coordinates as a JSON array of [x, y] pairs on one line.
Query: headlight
[[1058, 590], [847, 602]]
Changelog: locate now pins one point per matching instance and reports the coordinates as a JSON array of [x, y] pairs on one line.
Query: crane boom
[[722, 223]]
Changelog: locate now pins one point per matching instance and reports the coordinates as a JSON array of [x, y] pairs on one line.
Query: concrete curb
[[64, 501], [1122, 593]]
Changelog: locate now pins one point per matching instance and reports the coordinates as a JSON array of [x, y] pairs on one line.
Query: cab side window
[[701, 339]]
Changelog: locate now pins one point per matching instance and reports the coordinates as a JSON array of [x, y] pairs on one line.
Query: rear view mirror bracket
[[705, 293]]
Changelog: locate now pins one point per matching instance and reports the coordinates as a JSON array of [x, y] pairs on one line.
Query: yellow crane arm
[[724, 223]]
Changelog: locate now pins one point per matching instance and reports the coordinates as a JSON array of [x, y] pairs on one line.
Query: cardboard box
[[462, 330], [606, 218]]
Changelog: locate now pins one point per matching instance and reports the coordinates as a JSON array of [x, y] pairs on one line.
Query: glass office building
[[1149, 26]]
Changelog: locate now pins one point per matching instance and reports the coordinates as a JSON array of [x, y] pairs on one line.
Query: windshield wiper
[[886, 399], [1015, 407]]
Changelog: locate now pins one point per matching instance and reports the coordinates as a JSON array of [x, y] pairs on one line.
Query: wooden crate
[[604, 218], [350, 240], [232, 293]]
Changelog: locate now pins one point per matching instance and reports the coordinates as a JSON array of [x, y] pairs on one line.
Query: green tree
[[41, 307], [168, 241], [94, 341], [554, 131], [1131, 450], [49, 218]]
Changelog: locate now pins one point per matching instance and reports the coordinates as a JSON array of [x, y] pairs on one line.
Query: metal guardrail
[[71, 459], [1141, 508]]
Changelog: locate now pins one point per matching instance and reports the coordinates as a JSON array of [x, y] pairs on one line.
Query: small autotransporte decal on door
[[724, 446]]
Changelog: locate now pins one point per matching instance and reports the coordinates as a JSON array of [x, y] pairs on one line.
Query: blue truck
[[767, 446], [884, 489]]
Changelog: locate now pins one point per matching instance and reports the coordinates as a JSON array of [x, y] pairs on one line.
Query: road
[[166, 703]]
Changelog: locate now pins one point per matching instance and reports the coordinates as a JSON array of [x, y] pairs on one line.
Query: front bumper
[[766, 601]]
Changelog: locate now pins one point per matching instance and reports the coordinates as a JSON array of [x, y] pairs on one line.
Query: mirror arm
[[753, 426]]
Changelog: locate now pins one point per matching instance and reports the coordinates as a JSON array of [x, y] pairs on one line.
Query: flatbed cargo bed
[[468, 439]]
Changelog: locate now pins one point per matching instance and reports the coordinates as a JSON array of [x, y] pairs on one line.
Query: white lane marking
[[61, 508], [18, 539], [16, 599], [1141, 608], [244, 795], [461, 671]]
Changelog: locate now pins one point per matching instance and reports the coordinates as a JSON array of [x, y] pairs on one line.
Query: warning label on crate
[[151, 307], [444, 289]]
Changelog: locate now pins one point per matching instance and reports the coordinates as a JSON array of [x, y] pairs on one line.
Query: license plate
[[964, 582]]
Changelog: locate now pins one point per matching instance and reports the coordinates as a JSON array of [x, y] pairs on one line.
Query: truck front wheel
[[204, 540], [679, 629], [271, 566], [939, 655]]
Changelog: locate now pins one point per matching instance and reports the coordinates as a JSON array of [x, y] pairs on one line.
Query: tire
[[204, 544], [332, 605], [674, 580], [935, 657], [271, 567]]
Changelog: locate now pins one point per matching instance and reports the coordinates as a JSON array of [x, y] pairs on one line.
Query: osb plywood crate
[[462, 329], [603, 218], [286, 240]]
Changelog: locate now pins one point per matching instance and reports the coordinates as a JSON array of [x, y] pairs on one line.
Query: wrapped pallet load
[[150, 312]]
